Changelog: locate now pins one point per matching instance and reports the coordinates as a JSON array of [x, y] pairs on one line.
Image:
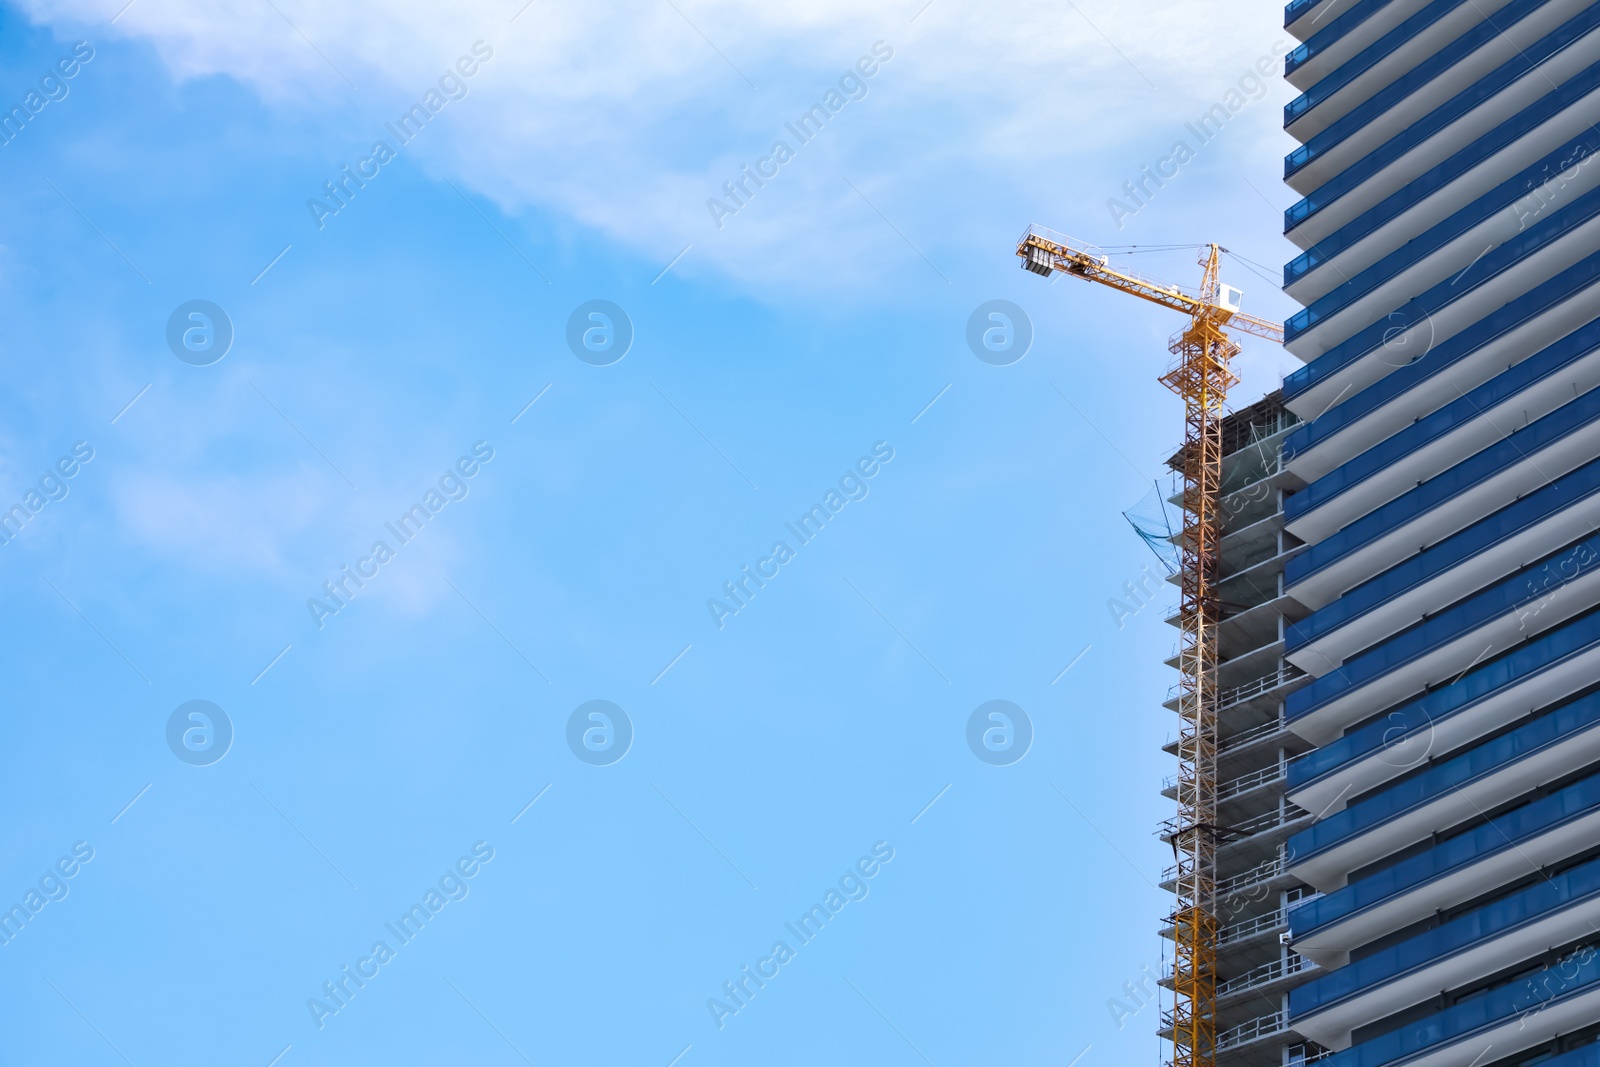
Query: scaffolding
[[1200, 375]]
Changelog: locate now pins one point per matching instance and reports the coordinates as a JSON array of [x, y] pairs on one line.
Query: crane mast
[[1199, 375]]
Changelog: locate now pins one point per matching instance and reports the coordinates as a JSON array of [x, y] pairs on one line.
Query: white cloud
[[220, 522], [282, 527], [627, 117]]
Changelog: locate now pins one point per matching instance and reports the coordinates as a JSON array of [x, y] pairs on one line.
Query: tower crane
[[1199, 375]]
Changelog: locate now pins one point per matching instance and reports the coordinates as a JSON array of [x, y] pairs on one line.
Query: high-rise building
[[1408, 857]]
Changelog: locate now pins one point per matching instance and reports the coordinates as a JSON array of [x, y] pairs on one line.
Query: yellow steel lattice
[[1201, 377]]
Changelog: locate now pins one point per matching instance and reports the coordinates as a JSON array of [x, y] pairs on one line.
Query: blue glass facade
[[1409, 841]]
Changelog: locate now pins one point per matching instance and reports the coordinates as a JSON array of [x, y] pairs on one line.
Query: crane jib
[[1202, 378]]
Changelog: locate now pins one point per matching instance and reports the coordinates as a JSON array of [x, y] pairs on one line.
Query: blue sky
[[823, 319]]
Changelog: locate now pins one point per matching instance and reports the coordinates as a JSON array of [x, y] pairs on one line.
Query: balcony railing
[[1244, 737], [1264, 1026], [1266, 683], [1249, 690], [1174, 489], [1255, 733], [1243, 931], [1269, 468], [1267, 821], [1243, 784], [1271, 820], [1273, 971], [1261, 872], [1269, 427], [1239, 831], [1261, 924], [1307, 1052]]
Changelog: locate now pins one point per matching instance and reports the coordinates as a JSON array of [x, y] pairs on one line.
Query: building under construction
[[1388, 828], [1406, 790]]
